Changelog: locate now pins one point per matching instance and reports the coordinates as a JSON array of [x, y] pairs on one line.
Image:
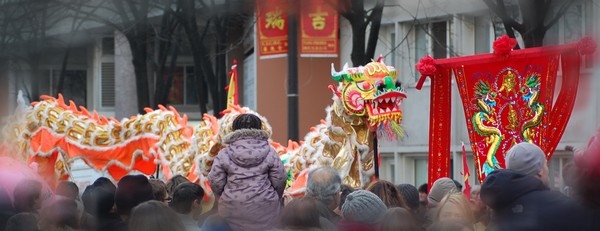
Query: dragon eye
[[364, 85]]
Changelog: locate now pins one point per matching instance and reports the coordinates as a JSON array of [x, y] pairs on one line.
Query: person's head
[[154, 216], [410, 195], [98, 201], [478, 207], [174, 182], [301, 214], [399, 219], [27, 196], [247, 121], [363, 207], [454, 207], [451, 226], [459, 186], [159, 190], [22, 222], [187, 198], [61, 214], [388, 193], [423, 193], [324, 184], [440, 188], [68, 189], [528, 159], [132, 190], [105, 183], [345, 190]]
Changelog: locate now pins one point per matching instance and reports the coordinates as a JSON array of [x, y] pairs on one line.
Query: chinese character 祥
[[318, 20], [274, 19]]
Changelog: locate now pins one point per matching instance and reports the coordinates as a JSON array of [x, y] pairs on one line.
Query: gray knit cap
[[363, 207], [525, 158], [440, 188]]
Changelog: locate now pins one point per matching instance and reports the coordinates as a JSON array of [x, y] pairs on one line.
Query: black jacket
[[523, 202]]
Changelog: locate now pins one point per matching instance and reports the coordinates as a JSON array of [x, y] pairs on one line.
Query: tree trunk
[[139, 53], [221, 64], [163, 98], [375, 21], [63, 71], [188, 20]]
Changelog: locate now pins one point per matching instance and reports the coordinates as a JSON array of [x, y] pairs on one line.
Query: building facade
[[413, 29], [97, 78]]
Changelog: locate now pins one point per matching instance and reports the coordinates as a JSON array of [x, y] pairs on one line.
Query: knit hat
[[363, 207], [410, 194], [441, 187], [525, 158]]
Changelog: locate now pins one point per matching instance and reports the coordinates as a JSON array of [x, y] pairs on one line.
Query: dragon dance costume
[[52, 134]]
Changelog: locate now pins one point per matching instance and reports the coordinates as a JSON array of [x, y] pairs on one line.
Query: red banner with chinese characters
[[318, 29], [272, 24], [507, 98]]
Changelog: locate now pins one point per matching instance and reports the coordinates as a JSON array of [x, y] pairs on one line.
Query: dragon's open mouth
[[388, 103]]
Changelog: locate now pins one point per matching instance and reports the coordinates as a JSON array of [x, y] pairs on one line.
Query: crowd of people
[[249, 181]]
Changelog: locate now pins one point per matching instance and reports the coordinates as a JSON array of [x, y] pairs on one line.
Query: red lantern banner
[[507, 97], [319, 29], [272, 25]]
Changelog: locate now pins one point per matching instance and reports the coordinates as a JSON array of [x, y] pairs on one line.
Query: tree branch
[[500, 10], [561, 12]]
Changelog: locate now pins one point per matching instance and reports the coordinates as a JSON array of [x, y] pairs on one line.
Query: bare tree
[[24, 29], [363, 49], [537, 17]]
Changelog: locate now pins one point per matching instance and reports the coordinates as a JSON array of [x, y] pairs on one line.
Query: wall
[[313, 78]]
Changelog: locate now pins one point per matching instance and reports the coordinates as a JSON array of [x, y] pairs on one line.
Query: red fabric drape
[[507, 98]]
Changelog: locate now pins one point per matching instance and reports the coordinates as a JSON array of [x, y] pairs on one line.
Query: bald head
[[324, 184]]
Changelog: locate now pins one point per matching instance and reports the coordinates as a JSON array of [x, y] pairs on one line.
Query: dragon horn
[[333, 71], [380, 59], [335, 75]]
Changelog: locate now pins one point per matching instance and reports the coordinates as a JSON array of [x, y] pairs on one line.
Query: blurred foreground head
[[388, 193], [301, 214], [27, 196], [154, 216], [132, 190], [587, 177], [399, 219]]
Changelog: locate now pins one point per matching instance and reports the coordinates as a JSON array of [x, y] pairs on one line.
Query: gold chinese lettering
[[275, 19], [318, 19]]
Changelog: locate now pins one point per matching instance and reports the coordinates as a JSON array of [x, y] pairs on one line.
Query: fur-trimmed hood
[[247, 147], [246, 134]]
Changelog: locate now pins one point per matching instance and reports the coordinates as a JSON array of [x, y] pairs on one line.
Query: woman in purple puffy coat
[[248, 177]]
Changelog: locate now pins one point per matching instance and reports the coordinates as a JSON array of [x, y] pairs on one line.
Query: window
[[439, 39], [393, 39], [421, 171], [249, 82], [576, 22], [431, 39], [556, 165], [108, 46], [183, 88], [74, 85], [107, 84], [482, 30]]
